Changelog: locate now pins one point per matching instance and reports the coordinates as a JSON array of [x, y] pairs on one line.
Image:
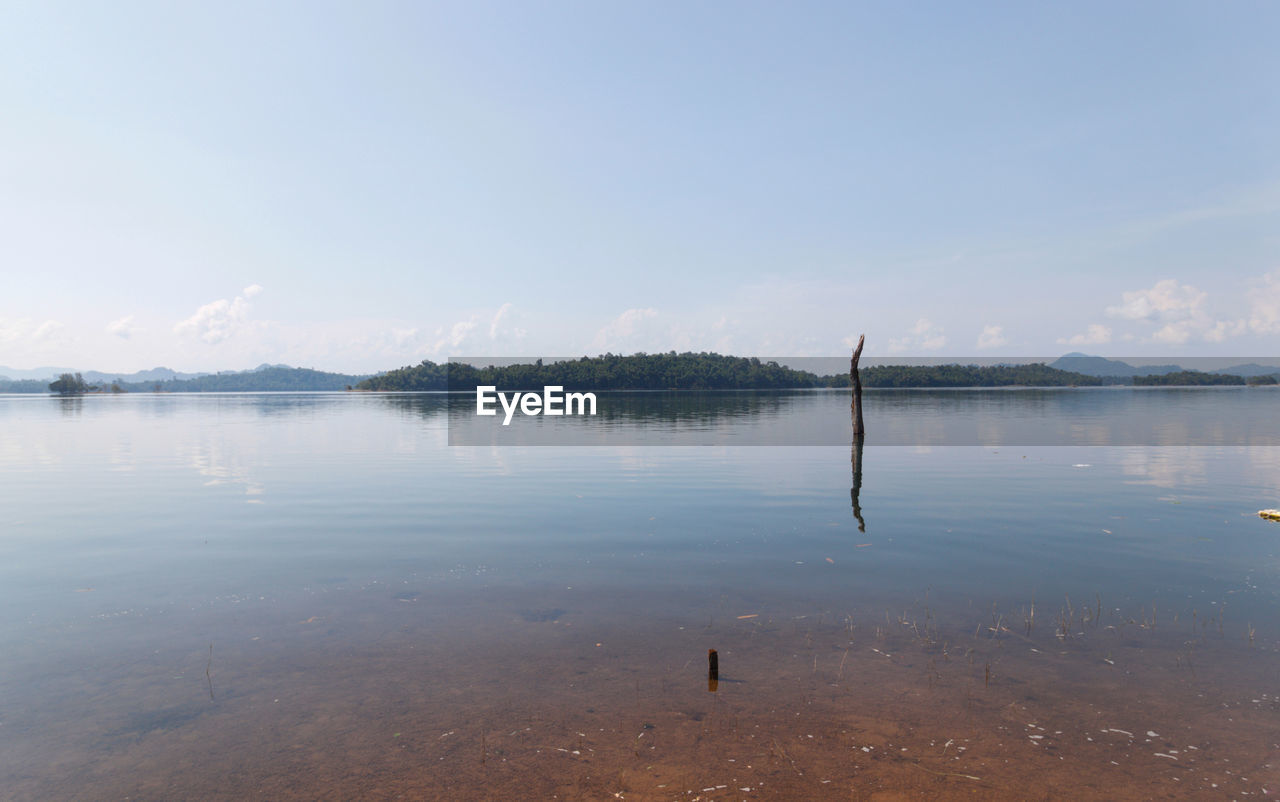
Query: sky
[[360, 186]]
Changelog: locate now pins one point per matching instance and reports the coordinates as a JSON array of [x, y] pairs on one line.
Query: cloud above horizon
[[122, 328], [1264, 305], [1096, 334], [1172, 313], [219, 320], [924, 336], [992, 337], [624, 330]]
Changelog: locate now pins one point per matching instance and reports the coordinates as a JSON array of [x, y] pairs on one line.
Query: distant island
[[669, 371], [710, 371], [665, 371], [1194, 378], [706, 371]]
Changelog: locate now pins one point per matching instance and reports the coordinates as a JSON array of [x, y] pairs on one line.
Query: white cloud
[[622, 330], [123, 328], [1264, 305], [1096, 334], [924, 336], [499, 331], [992, 337], [218, 321], [1179, 311], [497, 320], [456, 336], [1165, 300], [46, 330], [404, 337], [11, 330], [465, 335]]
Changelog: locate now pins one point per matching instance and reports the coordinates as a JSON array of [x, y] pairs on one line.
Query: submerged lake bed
[[315, 595]]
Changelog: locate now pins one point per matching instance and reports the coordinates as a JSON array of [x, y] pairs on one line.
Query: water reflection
[[856, 490], [424, 405], [71, 406], [998, 417]]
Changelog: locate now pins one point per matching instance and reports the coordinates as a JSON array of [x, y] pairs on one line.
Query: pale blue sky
[[360, 186]]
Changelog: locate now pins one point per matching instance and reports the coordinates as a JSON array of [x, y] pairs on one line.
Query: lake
[[1004, 594]]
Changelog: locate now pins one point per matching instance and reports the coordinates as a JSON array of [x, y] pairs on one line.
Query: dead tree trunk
[[856, 381], [855, 408]]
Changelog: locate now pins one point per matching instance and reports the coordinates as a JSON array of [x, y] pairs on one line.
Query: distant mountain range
[[265, 377], [48, 374], [1115, 369]]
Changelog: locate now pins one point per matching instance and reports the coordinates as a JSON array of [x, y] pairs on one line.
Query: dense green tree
[[69, 384]]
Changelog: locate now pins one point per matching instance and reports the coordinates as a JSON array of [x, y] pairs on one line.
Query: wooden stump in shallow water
[[856, 381]]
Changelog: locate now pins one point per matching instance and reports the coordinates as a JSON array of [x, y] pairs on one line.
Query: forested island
[[1195, 378], [707, 371], [669, 371], [1034, 375]]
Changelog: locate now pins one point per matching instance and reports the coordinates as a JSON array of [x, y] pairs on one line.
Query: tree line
[[706, 371]]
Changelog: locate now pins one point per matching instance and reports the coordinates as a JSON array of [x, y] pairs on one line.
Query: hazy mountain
[[152, 375], [1250, 369], [1110, 368], [264, 377], [46, 373]]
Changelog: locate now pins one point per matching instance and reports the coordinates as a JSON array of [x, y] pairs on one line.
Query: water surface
[[312, 595]]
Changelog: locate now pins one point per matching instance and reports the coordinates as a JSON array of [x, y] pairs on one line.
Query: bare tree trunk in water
[[856, 381], [855, 406]]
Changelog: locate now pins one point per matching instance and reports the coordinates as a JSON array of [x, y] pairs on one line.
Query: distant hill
[[24, 386], [263, 378], [48, 374], [1116, 369], [152, 375], [1249, 369], [1112, 368]]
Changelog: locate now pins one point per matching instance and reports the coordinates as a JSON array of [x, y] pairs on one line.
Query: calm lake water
[[1005, 594]]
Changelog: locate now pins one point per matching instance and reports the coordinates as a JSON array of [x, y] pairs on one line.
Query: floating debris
[[1270, 515]]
